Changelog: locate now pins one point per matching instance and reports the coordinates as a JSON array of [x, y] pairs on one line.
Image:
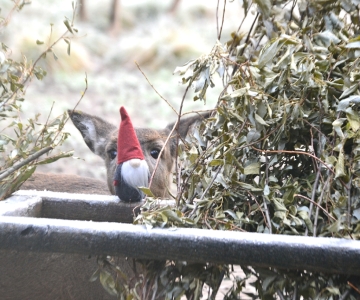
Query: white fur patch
[[135, 172], [90, 128]]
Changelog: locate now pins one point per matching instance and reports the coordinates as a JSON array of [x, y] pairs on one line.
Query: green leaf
[[216, 162], [108, 282], [356, 213], [266, 190], [268, 54], [253, 168], [247, 186], [350, 90], [146, 191], [353, 45], [245, 6], [253, 135], [333, 291], [260, 120], [303, 214], [278, 205], [55, 56], [221, 179], [337, 127], [68, 26], [239, 92], [265, 7], [340, 166], [353, 118], [169, 214], [231, 213], [95, 275], [343, 104]]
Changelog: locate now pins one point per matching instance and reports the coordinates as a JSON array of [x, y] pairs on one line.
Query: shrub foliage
[[282, 151], [25, 140]]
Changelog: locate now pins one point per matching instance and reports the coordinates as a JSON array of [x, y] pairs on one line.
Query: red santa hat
[[128, 143]]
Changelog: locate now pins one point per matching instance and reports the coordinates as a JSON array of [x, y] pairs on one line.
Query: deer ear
[[185, 127], [95, 131]]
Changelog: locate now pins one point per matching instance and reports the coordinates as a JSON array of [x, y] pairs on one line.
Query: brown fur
[[64, 184]]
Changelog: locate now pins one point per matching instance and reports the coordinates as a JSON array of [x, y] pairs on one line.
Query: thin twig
[[265, 205], [295, 292], [345, 294], [280, 294], [217, 18], [316, 129], [161, 151], [176, 125], [243, 20], [266, 215], [317, 204], [206, 190], [222, 20], [205, 220], [178, 189], [210, 184], [30, 158], [168, 103], [292, 10], [81, 97], [313, 194], [249, 34], [45, 125], [6, 21], [354, 287], [348, 217]]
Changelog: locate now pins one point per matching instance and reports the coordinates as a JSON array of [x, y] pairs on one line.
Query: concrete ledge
[[100, 208], [194, 245], [29, 206]]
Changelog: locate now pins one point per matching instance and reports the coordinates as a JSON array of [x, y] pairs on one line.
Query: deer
[[101, 138], [33, 275]]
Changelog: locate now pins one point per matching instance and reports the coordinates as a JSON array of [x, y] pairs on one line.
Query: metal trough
[[82, 225]]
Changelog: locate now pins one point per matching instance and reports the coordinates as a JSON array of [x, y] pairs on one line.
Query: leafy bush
[[282, 153], [22, 142]]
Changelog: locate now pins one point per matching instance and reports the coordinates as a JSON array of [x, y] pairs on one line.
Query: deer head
[[101, 138]]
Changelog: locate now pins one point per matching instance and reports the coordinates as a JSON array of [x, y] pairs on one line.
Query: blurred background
[[158, 35]]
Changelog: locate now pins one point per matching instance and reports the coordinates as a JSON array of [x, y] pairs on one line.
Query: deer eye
[[155, 153], [112, 153]]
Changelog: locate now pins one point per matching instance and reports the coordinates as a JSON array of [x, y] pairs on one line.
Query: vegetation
[[24, 140], [280, 154], [282, 151]]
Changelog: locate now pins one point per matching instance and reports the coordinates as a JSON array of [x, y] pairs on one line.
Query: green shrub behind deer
[[282, 153]]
